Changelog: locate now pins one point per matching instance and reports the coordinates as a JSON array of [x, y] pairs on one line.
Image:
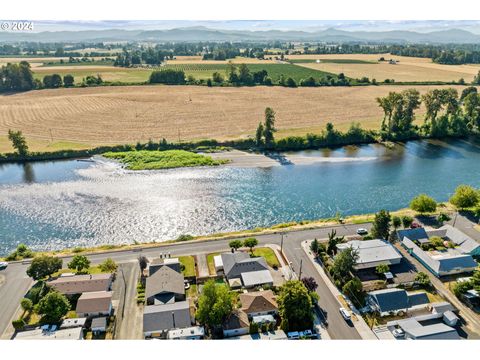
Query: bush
[[18, 324], [185, 237], [168, 76], [464, 197], [423, 204]]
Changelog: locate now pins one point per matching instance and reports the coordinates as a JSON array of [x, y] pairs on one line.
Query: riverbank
[[285, 228]]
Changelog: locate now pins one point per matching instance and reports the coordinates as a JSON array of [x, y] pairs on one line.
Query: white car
[[346, 314], [398, 333], [3, 265], [362, 231]]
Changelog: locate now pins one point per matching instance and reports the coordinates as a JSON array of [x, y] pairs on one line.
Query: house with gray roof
[[419, 330], [395, 301], [165, 285], [159, 319], [372, 253], [251, 271], [450, 261]]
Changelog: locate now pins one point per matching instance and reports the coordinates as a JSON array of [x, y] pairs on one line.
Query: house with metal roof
[[159, 319], [97, 303], [450, 261], [71, 333], [252, 271], [372, 253], [395, 301]]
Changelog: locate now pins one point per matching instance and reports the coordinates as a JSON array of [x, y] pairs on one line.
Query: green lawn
[[192, 291], [168, 159], [189, 263], [269, 256]]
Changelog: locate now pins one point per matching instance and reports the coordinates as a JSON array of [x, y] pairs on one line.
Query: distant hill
[[201, 33]]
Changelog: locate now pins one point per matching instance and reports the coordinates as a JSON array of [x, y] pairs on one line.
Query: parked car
[[293, 335], [345, 313], [415, 225], [362, 231], [398, 333], [3, 265]]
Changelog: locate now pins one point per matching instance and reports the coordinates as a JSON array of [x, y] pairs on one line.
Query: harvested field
[[407, 69], [83, 117]]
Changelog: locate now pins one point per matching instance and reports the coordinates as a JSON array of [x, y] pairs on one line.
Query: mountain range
[[201, 33]]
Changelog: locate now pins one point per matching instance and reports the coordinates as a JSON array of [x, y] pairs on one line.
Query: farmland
[[84, 117], [199, 70], [407, 69]]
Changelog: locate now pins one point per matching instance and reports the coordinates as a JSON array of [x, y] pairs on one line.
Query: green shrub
[[18, 324]]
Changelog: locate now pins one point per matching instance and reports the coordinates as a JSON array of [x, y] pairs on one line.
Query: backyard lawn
[[268, 254], [211, 265], [189, 263]]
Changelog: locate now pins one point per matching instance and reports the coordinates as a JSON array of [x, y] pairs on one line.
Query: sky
[[262, 25]]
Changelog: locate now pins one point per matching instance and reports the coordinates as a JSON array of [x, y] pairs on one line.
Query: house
[[96, 303], [270, 335], [372, 253], [78, 284], [250, 271], [164, 285], [99, 325], [415, 330], [158, 263], [191, 333], [259, 303], [75, 333], [395, 301], [159, 319], [466, 244], [236, 324], [436, 325], [450, 261]]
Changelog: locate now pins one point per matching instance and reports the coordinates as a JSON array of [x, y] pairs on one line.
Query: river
[[53, 205]]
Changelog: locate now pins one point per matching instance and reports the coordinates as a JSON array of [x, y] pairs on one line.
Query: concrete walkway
[[202, 266], [360, 325]]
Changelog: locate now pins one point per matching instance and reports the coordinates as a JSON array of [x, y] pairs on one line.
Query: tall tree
[[18, 142], [53, 307], [215, 304], [43, 266], [269, 128], [259, 135], [235, 244], [465, 196], [343, 265], [423, 204], [295, 306], [381, 225], [250, 243]]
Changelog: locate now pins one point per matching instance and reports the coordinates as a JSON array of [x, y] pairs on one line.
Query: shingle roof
[[161, 317], [234, 264], [412, 234], [237, 320], [390, 299], [419, 298], [259, 301], [93, 302], [165, 280], [81, 283]]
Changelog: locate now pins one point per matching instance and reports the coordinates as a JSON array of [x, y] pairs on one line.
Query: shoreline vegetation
[[337, 220], [156, 159]]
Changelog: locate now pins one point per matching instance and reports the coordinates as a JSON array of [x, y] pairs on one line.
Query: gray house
[[395, 301], [250, 271], [164, 285], [159, 319]]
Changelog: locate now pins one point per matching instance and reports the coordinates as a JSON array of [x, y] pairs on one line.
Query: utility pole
[[300, 271]]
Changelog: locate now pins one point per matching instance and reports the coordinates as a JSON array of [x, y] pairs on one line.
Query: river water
[[52, 205]]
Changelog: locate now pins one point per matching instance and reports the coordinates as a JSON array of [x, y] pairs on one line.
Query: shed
[[99, 324], [217, 261]]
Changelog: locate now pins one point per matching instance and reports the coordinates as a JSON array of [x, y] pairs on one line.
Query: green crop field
[[205, 71]]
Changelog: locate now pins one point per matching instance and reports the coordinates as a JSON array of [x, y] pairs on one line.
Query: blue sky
[[257, 25]]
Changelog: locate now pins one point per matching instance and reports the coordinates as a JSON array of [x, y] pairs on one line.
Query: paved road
[[10, 296], [15, 285]]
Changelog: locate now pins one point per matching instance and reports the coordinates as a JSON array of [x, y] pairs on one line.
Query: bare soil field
[[85, 117], [407, 69]]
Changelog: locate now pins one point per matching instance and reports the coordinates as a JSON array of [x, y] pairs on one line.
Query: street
[[17, 282]]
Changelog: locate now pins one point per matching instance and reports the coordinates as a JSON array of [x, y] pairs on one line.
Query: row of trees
[[447, 113]]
